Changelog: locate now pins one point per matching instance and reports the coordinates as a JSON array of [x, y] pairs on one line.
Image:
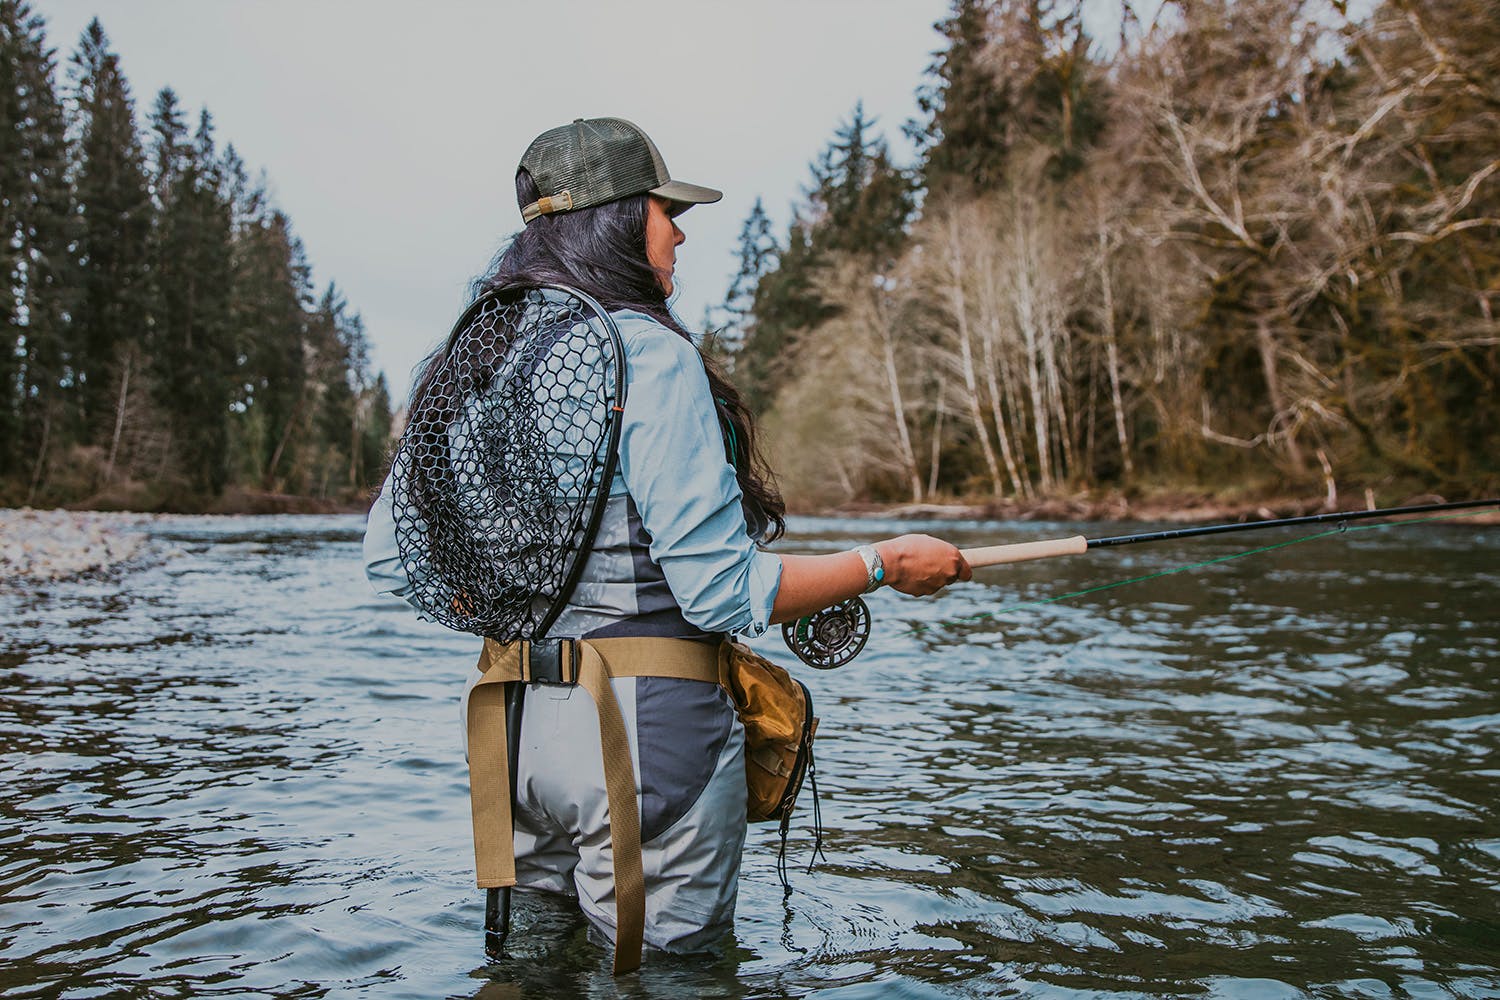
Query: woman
[[676, 557]]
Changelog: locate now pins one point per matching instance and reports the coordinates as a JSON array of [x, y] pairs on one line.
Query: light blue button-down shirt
[[674, 555]]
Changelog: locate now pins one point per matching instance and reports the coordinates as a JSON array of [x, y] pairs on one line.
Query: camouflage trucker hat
[[596, 160]]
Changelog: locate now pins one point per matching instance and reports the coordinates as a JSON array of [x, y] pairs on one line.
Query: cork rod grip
[[999, 555]]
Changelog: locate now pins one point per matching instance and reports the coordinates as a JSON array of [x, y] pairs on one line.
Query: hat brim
[[686, 194]]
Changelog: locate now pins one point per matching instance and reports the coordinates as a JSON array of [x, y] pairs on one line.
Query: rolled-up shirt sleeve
[[674, 467]]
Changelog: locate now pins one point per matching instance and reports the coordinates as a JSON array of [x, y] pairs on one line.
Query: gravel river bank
[[55, 544]]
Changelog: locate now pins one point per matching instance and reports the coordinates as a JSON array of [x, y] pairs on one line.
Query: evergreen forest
[[1244, 248], [163, 346]]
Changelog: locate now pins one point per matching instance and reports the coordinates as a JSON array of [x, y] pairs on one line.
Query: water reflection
[[233, 770]]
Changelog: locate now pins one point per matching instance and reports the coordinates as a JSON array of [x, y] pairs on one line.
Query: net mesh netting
[[495, 478]]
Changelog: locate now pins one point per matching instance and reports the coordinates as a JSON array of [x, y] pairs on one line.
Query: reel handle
[[1000, 555]]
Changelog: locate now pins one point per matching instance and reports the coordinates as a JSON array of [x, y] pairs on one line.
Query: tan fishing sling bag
[[777, 713]]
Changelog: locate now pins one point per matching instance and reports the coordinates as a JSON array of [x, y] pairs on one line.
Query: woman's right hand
[[920, 564], [914, 564]]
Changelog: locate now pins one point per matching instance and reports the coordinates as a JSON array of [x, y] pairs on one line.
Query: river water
[[232, 771]]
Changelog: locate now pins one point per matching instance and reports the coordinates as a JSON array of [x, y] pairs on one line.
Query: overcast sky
[[391, 131]]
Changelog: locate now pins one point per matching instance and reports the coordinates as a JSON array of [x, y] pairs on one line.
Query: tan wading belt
[[590, 663]]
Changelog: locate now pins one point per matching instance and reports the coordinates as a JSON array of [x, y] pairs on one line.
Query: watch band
[[874, 567]]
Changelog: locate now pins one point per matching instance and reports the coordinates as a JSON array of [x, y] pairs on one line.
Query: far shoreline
[[1169, 508], [1166, 506], [43, 545]]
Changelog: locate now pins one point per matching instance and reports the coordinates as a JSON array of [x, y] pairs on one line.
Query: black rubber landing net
[[502, 473]]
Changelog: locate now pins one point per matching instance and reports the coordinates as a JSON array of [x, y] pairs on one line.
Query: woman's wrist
[[891, 559]]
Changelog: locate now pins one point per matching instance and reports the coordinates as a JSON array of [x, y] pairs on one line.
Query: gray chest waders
[[494, 724]]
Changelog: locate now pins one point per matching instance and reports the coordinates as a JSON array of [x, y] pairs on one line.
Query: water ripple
[[236, 772]]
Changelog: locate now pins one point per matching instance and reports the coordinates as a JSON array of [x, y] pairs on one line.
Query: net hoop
[[501, 477]]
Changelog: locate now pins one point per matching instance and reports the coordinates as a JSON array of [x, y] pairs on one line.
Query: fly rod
[[834, 636], [1000, 555]]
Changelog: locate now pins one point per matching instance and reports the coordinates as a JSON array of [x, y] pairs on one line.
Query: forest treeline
[[163, 343], [1246, 246]]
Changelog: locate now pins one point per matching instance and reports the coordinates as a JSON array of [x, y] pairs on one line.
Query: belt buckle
[[552, 663]]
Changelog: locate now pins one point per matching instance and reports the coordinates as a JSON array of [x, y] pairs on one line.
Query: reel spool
[[831, 637]]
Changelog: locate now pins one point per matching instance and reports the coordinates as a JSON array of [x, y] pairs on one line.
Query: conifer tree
[[34, 235], [858, 204], [14, 183], [355, 377], [756, 251], [786, 301], [865, 200], [114, 211], [192, 352], [961, 135], [335, 342], [168, 150], [375, 433], [1015, 72], [270, 294]]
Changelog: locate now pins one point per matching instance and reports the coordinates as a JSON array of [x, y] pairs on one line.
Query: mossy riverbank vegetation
[[1237, 253]]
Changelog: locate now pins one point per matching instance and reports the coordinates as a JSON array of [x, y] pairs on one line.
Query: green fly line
[[1341, 529]]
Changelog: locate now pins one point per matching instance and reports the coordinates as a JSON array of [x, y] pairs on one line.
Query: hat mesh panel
[[595, 161]]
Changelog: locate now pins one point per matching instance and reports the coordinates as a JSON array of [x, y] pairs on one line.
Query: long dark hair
[[602, 251]]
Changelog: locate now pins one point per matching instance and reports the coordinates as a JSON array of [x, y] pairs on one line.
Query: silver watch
[[874, 567]]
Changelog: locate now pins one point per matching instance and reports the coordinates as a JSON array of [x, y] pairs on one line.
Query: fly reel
[[831, 637]]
